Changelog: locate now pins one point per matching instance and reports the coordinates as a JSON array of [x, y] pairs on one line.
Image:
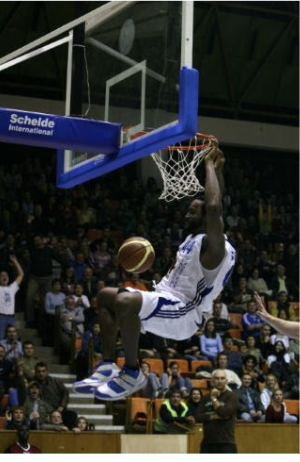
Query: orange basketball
[[136, 255]]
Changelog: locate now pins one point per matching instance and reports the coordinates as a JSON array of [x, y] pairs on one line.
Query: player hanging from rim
[[174, 310], [289, 328]]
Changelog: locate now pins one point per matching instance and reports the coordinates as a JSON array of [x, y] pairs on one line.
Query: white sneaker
[[105, 371], [127, 383]]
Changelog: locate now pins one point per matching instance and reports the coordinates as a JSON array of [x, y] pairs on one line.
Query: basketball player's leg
[[108, 319], [128, 306]]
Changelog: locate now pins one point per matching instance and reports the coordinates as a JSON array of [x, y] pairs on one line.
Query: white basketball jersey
[[186, 279]]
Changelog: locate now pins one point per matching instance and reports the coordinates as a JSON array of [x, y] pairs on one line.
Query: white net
[[178, 165]]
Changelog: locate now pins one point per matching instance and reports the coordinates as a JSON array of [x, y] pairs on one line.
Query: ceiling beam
[[264, 60], [9, 16], [254, 7]]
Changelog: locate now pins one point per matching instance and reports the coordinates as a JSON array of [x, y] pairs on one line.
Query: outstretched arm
[[20, 275], [289, 328], [214, 244]]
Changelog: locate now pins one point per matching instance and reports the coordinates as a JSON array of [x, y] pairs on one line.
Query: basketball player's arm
[[289, 328], [214, 243]]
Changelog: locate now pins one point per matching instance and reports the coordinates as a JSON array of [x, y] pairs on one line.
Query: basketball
[[136, 255]]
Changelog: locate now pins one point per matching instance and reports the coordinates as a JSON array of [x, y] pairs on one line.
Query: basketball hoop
[[178, 164]]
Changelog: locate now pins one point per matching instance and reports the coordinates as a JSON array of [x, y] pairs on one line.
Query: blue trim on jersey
[[159, 312], [161, 302]]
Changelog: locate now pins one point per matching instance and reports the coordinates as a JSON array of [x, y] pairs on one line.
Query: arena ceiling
[[248, 54]]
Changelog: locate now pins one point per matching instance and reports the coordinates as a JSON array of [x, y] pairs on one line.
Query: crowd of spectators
[[65, 242]]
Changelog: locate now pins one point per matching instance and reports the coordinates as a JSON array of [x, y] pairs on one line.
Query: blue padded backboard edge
[[184, 128]]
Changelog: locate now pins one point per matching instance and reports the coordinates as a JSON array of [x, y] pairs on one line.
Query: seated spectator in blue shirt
[[54, 298], [252, 322], [210, 341]]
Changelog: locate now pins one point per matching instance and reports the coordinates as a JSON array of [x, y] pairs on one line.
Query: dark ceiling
[[247, 52]]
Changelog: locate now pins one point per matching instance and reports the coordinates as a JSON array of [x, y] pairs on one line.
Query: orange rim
[[199, 147]]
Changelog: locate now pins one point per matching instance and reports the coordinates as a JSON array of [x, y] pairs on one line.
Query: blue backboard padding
[[184, 128], [58, 132]]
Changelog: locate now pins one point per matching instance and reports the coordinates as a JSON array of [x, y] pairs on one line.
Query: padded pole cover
[[59, 132]]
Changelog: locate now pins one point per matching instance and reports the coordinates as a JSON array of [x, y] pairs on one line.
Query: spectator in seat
[[276, 336], [252, 322], [172, 379], [152, 388], [235, 361], [89, 283], [276, 411], [15, 418], [241, 296], [224, 310], [222, 325], [83, 425], [279, 361], [29, 360], [250, 349], [194, 402], [233, 380], [281, 283], [263, 341], [173, 415], [210, 341], [250, 407], [251, 367], [81, 301], [7, 296], [36, 409], [258, 284], [68, 281], [291, 385], [265, 267], [271, 384], [53, 299], [55, 423], [79, 265], [100, 258], [54, 392], [283, 304], [68, 315], [12, 346]]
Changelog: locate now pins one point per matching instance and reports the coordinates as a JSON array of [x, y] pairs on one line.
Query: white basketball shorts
[[165, 315]]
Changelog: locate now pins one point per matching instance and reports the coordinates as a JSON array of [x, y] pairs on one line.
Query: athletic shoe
[[128, 382], [105, 371]]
